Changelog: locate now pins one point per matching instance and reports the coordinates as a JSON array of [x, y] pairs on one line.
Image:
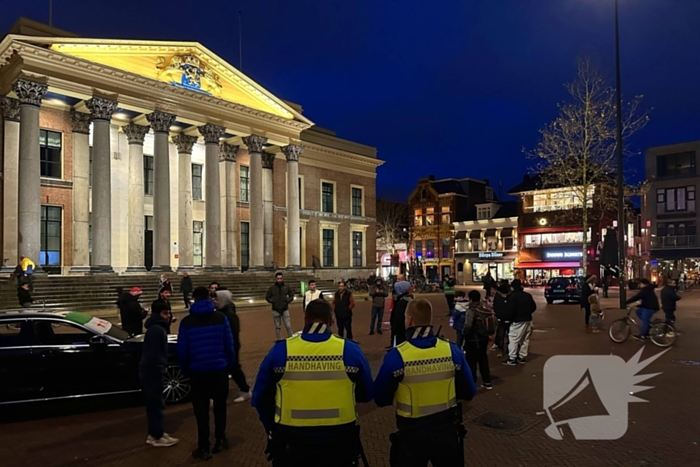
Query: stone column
[[212, 195], [135, 135], [161, 123], [228, 163], [255, 145], [30, 95], [80, 124], [292, 153], [185, 238], [10, 185], [101, 110], [268, 163]]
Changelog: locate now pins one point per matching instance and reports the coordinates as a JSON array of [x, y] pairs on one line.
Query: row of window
[[427, 218], [676, 165], [446, 244], [672, 229], [555, 238], [491, 244], [680, 199]]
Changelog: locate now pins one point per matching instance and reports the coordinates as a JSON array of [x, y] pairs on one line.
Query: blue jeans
[[645, 315], [152, 382], [377, 315]]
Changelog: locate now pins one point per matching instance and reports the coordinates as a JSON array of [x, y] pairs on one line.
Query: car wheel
[[176, 386], [550, 301]]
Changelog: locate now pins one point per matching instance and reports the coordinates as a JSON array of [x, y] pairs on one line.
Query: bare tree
[[392, 224], [577, 151]]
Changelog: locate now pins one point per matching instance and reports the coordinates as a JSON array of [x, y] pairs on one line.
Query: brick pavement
[[663, 432]]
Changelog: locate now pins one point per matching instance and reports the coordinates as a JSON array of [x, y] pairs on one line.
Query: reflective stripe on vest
[[428, 384], [315, 389]]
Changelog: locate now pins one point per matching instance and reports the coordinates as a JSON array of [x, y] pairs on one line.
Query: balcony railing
[[679, 241]]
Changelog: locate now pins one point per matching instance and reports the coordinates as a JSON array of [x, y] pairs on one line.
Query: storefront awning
[[461, 235], [475, 234], [490, 233], [550, 265], [507, 232]]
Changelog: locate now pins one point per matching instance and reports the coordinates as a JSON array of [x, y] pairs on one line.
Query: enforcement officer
[[423, 377], [305, 395]]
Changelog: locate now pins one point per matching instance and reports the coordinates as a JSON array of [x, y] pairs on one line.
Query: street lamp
[[621, 220]]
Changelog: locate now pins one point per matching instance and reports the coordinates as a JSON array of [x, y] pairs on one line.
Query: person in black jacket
[[131, 312], [649, 305], [520, 308], [224, 304], [162, 303], [24, 296], [186, 289], [669, 297], [587, 291], [476, 342], [154, 360], [343, 303], [402, 291], [500, 307]]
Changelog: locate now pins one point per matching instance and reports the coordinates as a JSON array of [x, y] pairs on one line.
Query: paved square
[[663, 432]]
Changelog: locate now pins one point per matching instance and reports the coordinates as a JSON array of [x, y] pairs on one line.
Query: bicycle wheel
[[662, 334], [619, 330]]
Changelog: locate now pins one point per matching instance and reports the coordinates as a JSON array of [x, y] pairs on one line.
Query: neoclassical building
[[127, 155]]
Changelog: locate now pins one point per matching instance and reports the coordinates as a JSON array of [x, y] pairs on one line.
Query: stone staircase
[[98, 292]]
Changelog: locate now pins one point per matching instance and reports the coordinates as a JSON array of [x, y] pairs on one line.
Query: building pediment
[[187, 65]]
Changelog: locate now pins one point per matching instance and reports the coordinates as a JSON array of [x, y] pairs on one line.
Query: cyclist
[[648, 305]]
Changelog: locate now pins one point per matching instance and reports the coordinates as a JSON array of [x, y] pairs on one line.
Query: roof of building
[[529, 183], [459, 186], [506, 209]]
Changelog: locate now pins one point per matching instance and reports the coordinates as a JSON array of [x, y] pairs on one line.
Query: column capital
[[101, 108], [254, 143], [135, 134], [10, 108], [160, 121], [292, 152], [211, 133], [80, 122], [268, 160], [184, 143], [227, 152], [29, 92]]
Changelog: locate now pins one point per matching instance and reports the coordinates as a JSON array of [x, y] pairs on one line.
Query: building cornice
[[131, 87], [363, 160], [504, 222]]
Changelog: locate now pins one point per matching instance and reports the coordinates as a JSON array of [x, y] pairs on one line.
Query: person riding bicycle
[[649, 304]]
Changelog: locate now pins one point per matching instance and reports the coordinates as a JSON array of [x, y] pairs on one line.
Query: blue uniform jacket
[[391, 371], [272, 369], [205, 342]]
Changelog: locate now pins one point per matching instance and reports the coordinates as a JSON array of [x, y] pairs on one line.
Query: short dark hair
[[460, 293], [318, 310], [312, 282], [342, 282], [213, 283], [278, 274], [474, 296], [200, 293]]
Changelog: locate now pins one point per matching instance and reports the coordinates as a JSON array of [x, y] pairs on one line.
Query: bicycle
[[661, 333]]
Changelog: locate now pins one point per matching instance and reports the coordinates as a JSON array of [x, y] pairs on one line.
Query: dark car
[[567, 289], [65, 355]]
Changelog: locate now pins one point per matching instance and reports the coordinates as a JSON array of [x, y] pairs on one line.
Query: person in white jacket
[[311, 294]]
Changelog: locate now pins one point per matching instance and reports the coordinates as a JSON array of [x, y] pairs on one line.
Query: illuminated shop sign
[[559, 255], [490, 254]]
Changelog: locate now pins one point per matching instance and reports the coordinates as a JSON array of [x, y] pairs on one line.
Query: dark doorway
[[431, 273], [148, 242]]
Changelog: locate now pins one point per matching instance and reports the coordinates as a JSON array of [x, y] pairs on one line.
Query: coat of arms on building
[[188, 71]]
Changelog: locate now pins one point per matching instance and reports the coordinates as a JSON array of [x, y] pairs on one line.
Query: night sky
[[452, 88]]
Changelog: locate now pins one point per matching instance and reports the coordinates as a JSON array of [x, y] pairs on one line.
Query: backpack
[[484, 321]]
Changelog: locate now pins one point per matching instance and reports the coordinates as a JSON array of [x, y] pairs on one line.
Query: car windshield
[[98, 325], [562, 281]]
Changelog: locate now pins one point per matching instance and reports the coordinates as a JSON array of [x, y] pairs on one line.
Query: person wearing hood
[[131, 312], [649, 304], [398, 314], [206, 355], [378, 293], [162, 303], [224, 303], [279, 296], [154, 360]]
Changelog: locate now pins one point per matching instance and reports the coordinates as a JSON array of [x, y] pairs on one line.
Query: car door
[[75, 363], [19, 369]]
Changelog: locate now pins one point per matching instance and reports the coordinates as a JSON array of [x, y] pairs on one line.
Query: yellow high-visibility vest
[[315, 389], [428, 384]]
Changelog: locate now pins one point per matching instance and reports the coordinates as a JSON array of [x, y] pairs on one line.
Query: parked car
[[60, 355], [567, 289]]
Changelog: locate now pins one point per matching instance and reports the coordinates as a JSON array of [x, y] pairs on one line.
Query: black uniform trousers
[[438, 445]]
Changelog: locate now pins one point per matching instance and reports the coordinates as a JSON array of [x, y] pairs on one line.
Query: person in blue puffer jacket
[[206, 355]]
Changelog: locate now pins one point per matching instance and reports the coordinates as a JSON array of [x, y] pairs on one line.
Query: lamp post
[[621, 220]]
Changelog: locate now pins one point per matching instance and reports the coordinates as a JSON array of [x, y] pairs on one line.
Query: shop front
[[553, 262], [473, 266], [392, 264]]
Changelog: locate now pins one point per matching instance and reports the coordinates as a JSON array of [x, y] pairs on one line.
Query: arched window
[[460, 267], [681, 229], [671, 230]]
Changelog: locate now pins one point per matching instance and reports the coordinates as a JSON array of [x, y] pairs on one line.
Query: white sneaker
[[244, 396], [150, 439], [164, 442]]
